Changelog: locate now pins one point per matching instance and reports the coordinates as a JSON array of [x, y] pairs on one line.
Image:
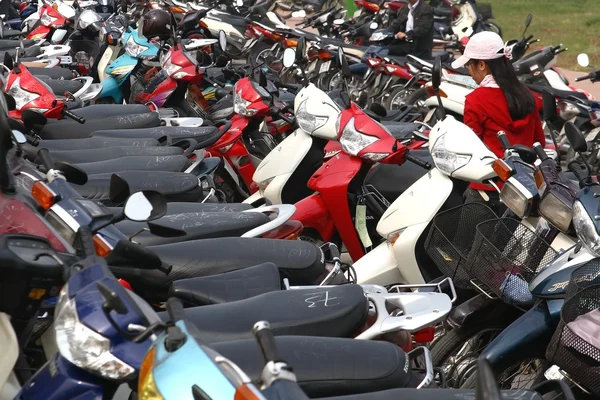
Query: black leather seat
[[562, 94], [175, 186], [109, 110], [230, 286], [59, 87], [443, 12], [137, 163], [11, 44], [177, 208], [393, 180], [205, 136], [112, 153], [83, 144], [196, 225], [338, 311], [328, 366], [435, 394], [69, 129], [54, 73], [301, 262], [400, 60], [401, 130]]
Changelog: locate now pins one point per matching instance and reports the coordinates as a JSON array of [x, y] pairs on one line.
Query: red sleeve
[[472, 118]]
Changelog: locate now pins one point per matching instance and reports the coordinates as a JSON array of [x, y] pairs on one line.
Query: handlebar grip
[[528, 38], [539, 150], [74, 117], [334, 251], [583, 78], [85, 236], [580, 171], [266, 341], [175, 309], [503, 140], [417, 161], [44, 156], [555, 48]]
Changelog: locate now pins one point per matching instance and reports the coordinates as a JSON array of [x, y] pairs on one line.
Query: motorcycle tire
[[397, 91], [493, 27], [419, 95], [450, 344], [258, 48]]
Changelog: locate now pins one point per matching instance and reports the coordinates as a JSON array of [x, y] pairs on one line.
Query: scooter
[[53, 22]]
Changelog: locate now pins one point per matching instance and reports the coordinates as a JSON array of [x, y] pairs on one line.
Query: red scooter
[[52, 23], [338, 184], [32, 94]]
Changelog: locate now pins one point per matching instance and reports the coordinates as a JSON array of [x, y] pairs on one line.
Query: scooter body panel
[[41, 32], [10, 348], [111, 88], [281, 163], [162, 92], [109, 55], [331, 181], [313, 213], [378, 267]]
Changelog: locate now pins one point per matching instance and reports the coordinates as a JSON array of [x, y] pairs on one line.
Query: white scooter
[[460, 157]]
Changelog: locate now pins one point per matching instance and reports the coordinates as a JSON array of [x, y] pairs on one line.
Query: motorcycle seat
[[230, 286], [59, 87], [178, 208], [399, 60], [109, 110], [444, 12], [205, 136], [68, 129], [11, 43], [561, 94], [402, 130], [54, 73], [137, 163], [328, 366], [338, 311], [301, 262], [393, 180], [175, 186], [437, 394], [112, 153], [87, 143], [196, 225]]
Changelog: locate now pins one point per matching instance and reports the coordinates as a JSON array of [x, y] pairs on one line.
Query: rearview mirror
[[583, 60], [575, 137], [18, 137], [436, 73], [343, 63], [300, 49], [289, 56], [374, 25], [299, 14], [145, 206], [222, 40], [528, 20], [72, 173], [239, 3]]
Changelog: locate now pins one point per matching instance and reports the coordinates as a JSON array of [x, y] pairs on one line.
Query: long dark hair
[[520, 100]]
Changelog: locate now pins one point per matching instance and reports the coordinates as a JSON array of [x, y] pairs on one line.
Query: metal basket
[[506, 256], [586, 275], [451, 237], [573, 347]]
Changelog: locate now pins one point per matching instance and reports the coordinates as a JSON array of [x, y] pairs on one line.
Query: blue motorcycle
[[117, 84]]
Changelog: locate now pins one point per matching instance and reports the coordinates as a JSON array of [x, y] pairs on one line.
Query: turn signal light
[[291, 42], [43, 195], [177, 9], [246, 392], [431, 93], [102, 247], [539, 178], [502, 169], [325, 55]]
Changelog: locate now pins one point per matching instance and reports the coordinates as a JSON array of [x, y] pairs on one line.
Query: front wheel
[[397, 98]]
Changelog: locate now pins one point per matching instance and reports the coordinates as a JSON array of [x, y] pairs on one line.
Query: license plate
[[311, 67], [592, 135], [324, 67]]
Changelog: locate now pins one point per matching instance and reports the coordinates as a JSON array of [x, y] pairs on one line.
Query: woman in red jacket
[[501, 103]]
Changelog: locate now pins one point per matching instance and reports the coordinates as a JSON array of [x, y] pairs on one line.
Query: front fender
[[313, 213], [529, 334]]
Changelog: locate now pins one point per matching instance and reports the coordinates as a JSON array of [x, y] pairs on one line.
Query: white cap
[[481, 46]]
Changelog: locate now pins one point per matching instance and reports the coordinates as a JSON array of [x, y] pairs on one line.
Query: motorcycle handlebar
[[417, 161], [74, 117], [583, 78], [266, 341], [540, 151], [529, 38], [44, 156], [580, 171]]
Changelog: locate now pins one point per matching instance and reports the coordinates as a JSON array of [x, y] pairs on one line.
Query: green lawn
[[574, 23]]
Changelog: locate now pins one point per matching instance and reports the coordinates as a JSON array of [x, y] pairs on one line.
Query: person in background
[[500, 103], [414, 30]]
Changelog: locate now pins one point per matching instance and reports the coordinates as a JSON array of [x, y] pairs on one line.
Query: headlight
[[22, 97], [567, 110], [353, 141], [87, 17], [377, 36], [147, 389], [446, 161], [262, 186], [169, 67], [134, 49], [585, 228], [240, 106], [82, 346], [308, 122], [47, 20], [556, 211], [517, 197]]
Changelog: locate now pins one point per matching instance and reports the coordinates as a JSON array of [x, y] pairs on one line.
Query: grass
[[574, 23]]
